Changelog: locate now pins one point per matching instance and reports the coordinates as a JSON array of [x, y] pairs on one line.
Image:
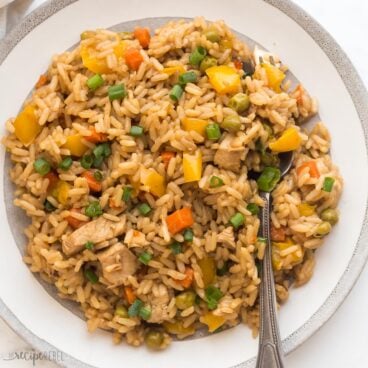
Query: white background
[[343, 341]]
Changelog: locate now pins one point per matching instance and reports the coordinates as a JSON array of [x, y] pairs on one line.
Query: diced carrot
[[133, 58], [93, 184], [95, 137], [238, 64], [189, 275], [313, 169], [166, 157], [278, 235], [53, 179], [143, 36], [72, 221], [129, 294], [179, 220], [42, 80]]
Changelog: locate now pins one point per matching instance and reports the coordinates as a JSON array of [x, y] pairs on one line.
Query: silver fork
[[270, 354]]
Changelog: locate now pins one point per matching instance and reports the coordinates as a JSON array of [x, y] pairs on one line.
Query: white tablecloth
[[343, 341]]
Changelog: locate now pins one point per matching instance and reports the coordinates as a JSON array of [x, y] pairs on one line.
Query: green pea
[[154, 339], [268, 159], [185, 300], [323, 229], [330, 215], [212, 35], [268, 129], [239, 102], [121, 311], [231, 123], [207, 62]]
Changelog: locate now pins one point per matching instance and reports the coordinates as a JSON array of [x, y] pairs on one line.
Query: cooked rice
[[64, 106]]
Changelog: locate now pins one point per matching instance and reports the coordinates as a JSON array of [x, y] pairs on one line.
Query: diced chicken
[[159, 304], [117, 262], [135, 238], [95, 231], [227, 156]]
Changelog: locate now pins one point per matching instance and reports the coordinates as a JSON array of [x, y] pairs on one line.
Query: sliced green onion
[[48, 206], [176, 92], [213, 295], [197, 55], [207, 62], [136, 131], [328, 183], [231, 123], [213, 132], [253, 208], [188, 235], [90, 275], [42, 166], [134, 309], [144, 209], [216, 182], [127, 194], [188, 77], [145, 257], [86, 161], [95, 82], [102, 150], [98, 175], [66, 163], [269, 159], [93, 209], [176, 248], [145, 313], [239, 102], [89, 245], [116, 92], [269, 178], [237, 220]]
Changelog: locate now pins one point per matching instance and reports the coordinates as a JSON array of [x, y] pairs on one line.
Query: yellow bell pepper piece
[[213, 322], [177, 328], [306, 209], [192, 166], [119, 49], [170, 70], [91, 62], [26, 127], [75, 145], [275, 76], [198, 125], [224, 79], [226, 44], [290, 140], [277, 259], [208, 268], [154, 181], [61, 191]]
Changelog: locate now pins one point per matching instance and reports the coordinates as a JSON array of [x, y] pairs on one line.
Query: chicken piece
[[117, 262], [135, 238], [228, 156], [95, 231]]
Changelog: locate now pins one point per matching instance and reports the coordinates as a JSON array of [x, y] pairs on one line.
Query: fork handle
[[270, 353]]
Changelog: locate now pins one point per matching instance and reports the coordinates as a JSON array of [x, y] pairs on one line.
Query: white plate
[[326, 72]]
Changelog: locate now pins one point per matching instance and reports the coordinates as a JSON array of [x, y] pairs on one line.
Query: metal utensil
[[270, 353]]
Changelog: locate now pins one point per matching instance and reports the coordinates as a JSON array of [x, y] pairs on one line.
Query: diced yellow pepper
[[275, 76], [119, 49], [277, 259], [290, 140], [192, 166], [213, 322], [170, 70], [226, 44], [154, 181], [208, 268], [198, 125], [61, 191], [26, 127], [75, 145], [224, 79], [306, 209], [177, 328], [92, 62]]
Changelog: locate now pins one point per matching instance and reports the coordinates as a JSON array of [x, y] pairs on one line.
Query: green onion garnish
[[237, 220], [117, 92], [66, 163], [93, 209], [127, 194], [86, 161], [269, 178], [144, 209], [188, 77], [213, 295], [145, 313], [134, 309], [48, 207], [213, 132], [98, 175], [176, 92], [328, 183], [253, 208], [89, 245], [145, 257], [136, 131], [102, 150], [216, 182], [97, 162], [176, 248], [90, 275], [95, 82], [42, 166], [197, 56], [188, 235]]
